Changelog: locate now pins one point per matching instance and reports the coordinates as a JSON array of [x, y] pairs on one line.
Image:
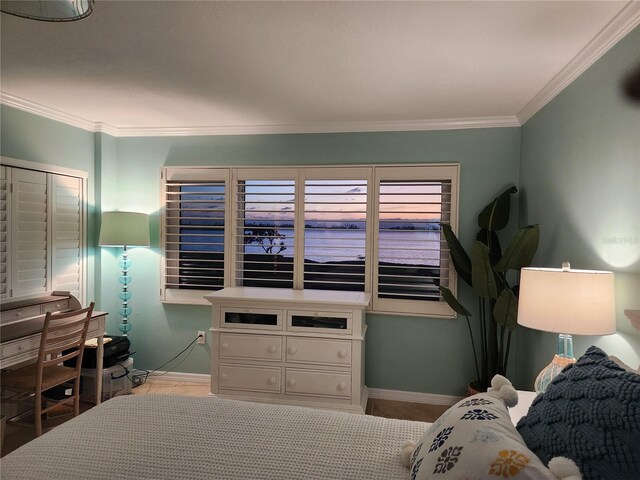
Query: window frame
[[346, 173], [424, 173], [373, 174], [186, 174]]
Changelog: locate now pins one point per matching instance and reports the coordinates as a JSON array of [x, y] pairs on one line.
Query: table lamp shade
[[567, 301], [121, 229]]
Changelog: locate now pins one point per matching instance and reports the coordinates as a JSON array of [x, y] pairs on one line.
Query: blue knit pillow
[[589, 413]]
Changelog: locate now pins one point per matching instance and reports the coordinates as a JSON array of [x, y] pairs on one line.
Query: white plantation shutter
[[335, 234], [42, 229], [5, 220], [194, 229], [30, 240], [265, 213], [411, 254], [66, 227], [372, 229]]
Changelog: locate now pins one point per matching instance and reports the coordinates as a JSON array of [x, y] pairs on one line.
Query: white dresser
[[300, 347]]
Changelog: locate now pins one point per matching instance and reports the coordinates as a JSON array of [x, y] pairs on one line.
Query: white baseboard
[[203, 378], [374, 393], [413, 397]]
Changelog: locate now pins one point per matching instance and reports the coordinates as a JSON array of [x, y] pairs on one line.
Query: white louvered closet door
[[29, 236], [5, 221], [65, 204]]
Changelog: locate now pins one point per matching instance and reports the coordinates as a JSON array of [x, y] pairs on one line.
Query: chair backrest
[[63, 332]]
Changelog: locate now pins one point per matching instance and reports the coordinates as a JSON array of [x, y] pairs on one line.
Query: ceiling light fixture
[[48, 10]]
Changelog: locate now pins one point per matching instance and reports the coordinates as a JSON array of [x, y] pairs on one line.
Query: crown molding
[[393, 126], [397, 126], [47, 112], [626, 20]]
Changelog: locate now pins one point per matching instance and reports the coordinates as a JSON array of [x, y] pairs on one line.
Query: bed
[[585, 426], [170, 437]]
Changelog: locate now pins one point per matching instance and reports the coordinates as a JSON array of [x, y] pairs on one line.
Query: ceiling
[[187, 67]]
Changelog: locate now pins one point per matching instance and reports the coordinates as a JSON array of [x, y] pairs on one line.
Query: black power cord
[[139, 376]]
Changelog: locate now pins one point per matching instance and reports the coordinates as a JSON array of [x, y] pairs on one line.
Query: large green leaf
[[521, 249], [453, 302], [493, 242], [482, 276], [459, 257], [505, 311], [495, 216]]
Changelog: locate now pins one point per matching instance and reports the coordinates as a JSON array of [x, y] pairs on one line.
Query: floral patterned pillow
[[475, 439]]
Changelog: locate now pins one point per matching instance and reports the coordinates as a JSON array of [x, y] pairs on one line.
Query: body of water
[[410, 247]]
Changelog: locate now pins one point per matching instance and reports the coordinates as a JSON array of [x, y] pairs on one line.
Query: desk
[[22, 324]]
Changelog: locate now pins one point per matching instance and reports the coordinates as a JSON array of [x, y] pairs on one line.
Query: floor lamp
[[567, 302], [124, 229]]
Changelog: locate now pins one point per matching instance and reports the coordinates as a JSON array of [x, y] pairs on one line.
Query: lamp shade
[[575, 302], [121, 229]]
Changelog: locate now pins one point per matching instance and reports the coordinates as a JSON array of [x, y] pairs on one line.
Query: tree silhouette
[[267, 236]]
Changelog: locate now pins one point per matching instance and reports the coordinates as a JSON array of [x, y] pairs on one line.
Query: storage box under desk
[[116, 380]]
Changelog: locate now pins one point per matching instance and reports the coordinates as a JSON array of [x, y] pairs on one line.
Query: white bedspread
[[172, 437]]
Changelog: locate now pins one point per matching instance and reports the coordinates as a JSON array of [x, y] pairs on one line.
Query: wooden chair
[[61, 333]]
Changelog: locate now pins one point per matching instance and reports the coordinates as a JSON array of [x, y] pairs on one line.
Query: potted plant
[[486, 269]]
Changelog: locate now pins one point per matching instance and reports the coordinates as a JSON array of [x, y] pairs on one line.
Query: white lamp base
[[549, 372]]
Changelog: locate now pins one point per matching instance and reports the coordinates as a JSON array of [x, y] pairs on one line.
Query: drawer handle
[[342, 387], [273, 349], [225, 376], [272, 380], [225, 346], [293, 350], [342, 353], [292, 382], [18, 313]]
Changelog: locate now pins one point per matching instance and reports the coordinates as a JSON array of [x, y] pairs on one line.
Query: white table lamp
[[567, 302], [124, 229]]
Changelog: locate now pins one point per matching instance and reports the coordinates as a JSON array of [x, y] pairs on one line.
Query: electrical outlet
[[201, 337]]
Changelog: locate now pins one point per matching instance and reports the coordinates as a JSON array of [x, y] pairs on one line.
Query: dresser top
[[328, 297]]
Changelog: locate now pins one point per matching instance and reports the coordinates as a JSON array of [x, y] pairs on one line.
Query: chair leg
[[76, 397], [38, 413]]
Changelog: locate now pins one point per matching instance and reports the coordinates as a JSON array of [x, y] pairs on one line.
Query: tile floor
[[15, 436]]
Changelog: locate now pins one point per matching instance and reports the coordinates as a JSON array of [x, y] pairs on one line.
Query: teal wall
[[576, 162], [401, 351], [125, 174], [580, 179]]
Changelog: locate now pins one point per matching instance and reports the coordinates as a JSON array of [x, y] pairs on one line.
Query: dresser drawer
[[251, 347], [24, 346], [306, 382], [256, 379], [20, 314], [260, 318], [319, 351], [321, 322], [59, 306]]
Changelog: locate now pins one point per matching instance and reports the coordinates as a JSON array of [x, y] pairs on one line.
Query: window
[[374, 229], [411, 256], [265, 233], [42, 229], [194, 229], [335, 228]]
